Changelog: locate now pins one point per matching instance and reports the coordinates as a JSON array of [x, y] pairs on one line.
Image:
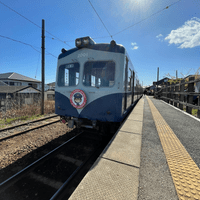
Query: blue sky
[[169, 39]]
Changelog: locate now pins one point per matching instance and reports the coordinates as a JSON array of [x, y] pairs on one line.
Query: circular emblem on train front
[[78, 99]]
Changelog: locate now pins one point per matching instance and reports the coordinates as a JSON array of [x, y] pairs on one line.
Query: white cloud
[[133, 43], [187, 35], [134, 46], [160, 37]]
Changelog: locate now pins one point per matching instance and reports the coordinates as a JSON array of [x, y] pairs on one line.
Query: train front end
[[89, 84]]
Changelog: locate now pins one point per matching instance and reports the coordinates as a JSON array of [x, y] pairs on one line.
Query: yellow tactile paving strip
[[184, 171]]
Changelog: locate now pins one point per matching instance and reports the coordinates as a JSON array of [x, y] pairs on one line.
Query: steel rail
[[30, 129], [76, 171], [27, 123], [35, 162]]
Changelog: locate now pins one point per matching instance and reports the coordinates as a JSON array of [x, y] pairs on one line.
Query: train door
[[125, 84], [133, 88]]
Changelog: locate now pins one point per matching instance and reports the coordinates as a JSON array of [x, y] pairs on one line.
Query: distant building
[[2, 83], [18, 95], [51, 86], [197, 85], [15, 79], [160, 82], [49, 95]]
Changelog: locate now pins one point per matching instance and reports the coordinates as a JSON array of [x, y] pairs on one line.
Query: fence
[[15, 101], [181, 94]]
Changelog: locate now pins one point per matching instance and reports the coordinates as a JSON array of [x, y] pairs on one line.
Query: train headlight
[[78, 42], [84, 42]]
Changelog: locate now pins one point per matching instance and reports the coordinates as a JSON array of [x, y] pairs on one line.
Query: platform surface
[[154, 155], [115, 174]]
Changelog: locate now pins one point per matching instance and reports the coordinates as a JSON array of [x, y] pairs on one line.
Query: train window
[[129, 84], [99, 74], [68, 74]]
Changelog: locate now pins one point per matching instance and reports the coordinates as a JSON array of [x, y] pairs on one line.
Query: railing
[[176, 94]]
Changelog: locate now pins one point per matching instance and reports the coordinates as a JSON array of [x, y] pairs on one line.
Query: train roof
[[117, 48]]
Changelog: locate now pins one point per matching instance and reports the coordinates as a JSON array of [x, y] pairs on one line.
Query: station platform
[[154, 155]]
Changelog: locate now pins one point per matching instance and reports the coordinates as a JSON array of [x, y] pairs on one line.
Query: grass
[[194, 111], [26, 112]]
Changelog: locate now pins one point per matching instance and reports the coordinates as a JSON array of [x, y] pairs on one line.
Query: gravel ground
[[18, 152], [186, 128], [24, 127], [155, 181]]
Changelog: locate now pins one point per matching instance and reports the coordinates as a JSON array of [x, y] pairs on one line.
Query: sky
[[162, 34]]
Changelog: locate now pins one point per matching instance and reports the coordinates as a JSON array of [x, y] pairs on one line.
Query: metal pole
[[157, 78], [43, 64], [176, 74]]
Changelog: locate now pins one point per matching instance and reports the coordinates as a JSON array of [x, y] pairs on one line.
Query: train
[[96, 84]]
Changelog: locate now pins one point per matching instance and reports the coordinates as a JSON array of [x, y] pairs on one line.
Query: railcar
[[96, 84]]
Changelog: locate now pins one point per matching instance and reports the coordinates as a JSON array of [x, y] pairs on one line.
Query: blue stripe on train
[[106, 108]]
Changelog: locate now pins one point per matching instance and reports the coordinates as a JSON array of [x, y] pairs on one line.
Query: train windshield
[[99, 74], [68, 75]]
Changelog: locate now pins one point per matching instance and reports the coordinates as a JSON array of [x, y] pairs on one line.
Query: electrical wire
[[101, 37], [20, 42], [94, 38], [51, 54], [100, 19], [26, 44], [147, 17], [33, 23]]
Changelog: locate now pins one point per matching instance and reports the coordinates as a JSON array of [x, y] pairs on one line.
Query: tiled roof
[[2, 83], [5, 75], [13, 89], [16, 76], [51, 84]]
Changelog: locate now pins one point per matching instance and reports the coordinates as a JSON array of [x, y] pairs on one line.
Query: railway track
[[10, 132], [46, 177]]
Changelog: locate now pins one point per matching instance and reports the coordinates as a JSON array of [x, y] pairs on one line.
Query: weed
[[194, 112], [26, 112]]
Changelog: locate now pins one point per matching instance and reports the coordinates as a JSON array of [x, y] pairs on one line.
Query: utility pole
[[43, 63], [176, 74], [157, 78]]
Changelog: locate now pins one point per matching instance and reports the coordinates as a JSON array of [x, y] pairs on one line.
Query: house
[[18, 95], [51, 86], [49, 95], [2, 83], [197, 84], [15, 79], [161, 81]]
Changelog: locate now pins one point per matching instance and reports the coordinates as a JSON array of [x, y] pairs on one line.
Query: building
[[15, 79], [18, 95], [49, 95], [2, 83], [160, 82], [51, 86]]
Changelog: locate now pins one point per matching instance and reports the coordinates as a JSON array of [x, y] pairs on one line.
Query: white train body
[[95, 83]]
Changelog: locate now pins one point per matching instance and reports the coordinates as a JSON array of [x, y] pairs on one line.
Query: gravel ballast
[[18, 152]]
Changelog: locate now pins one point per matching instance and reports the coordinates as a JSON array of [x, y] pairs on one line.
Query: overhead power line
[[33, 23], [20, 42], [147, 17], [26, 44], [100, 18]]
